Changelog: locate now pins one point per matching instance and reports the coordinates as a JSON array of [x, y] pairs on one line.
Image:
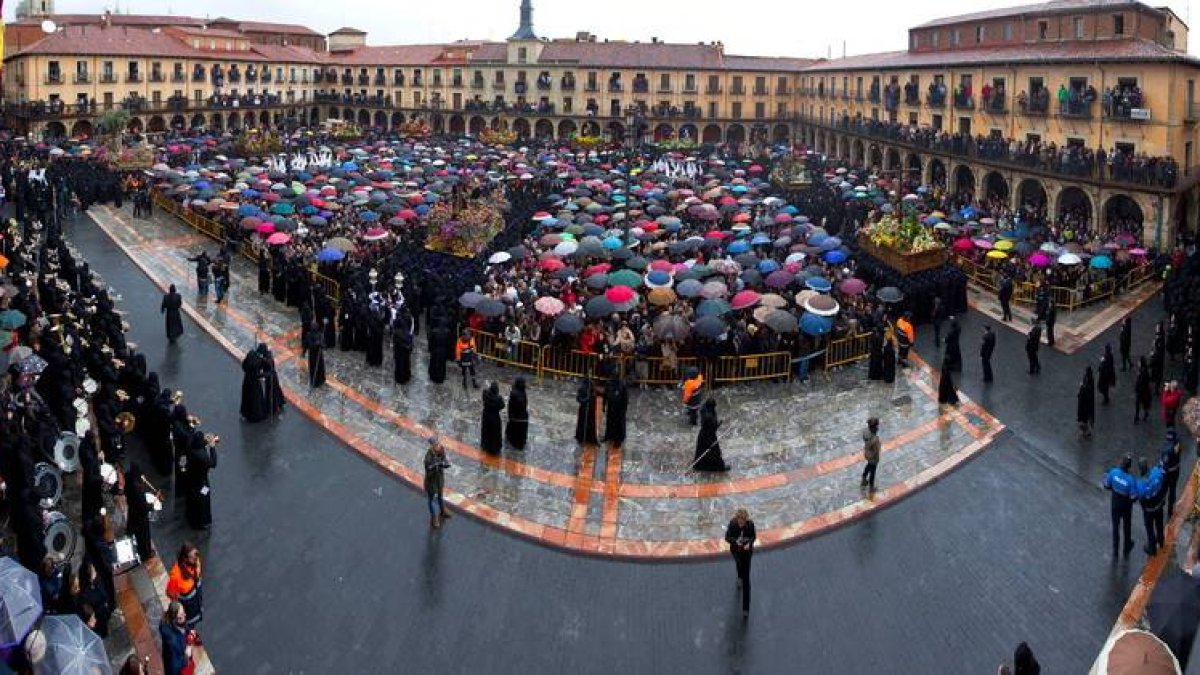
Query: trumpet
[[211, 439]]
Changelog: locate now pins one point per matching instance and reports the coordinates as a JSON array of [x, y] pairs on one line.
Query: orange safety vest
[[907, 327], [690, 387], [462, 346], [180, 586]]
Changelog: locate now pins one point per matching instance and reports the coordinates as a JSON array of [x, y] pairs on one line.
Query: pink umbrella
[[552, 306], [1040, 260], [266, 228], [597, 269], [783, 217], [852, 286], [619, 295], [279, 239], [250, 223], [375, 234], [1137, 251], [745, 299], [964, 244], [662, 265], [982, 243]]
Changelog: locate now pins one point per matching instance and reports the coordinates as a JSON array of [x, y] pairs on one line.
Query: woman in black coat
[[491, 432], [517, 431], [953, 360], [171, 304], [402, 346], [1085, 408], [1108, 373], [585, 418], [616, 403], [314, 347], [708, 448]]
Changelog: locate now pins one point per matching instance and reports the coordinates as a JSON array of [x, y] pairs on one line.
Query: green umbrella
[[625, 278]]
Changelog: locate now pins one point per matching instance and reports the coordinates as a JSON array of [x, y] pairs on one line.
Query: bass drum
[[48, 484], [59, 537], [66, 452]]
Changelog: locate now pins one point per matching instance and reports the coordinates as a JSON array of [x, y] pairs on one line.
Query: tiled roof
[[285, 28], [1050, 7], [766, 63], [209, 32], [648, 55], [121, 41], [405, 55], [289, 54], [1064, 52], [345, 30], [117, 20]]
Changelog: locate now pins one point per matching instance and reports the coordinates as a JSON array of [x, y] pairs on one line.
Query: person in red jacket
[[1170, 400]]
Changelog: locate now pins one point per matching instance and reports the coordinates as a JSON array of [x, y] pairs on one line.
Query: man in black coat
[[741, 535], [985, 352], [1033, 342], [1125, 342], [1005, 294]]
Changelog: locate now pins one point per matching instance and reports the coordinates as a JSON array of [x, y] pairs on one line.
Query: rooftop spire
[[525, 31]]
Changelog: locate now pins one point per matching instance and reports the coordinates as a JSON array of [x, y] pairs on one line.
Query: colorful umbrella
[[279, 239], [550, 306]]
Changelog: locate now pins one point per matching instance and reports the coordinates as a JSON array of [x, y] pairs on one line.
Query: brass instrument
[[126, 422]]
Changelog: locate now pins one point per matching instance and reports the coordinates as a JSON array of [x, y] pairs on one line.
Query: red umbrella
[[375, 234], [662, 265], [597, 269], [714, 234], [963, 244], [619, 294], [553, 264], [745, 299], [852, 286], [266, 228], [406, 214]]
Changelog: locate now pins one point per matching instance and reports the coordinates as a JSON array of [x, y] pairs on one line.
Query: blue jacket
[[174, 648], [1150, 488], [1121, 483]]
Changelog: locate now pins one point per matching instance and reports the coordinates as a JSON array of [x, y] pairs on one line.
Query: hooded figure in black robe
[[314, 347], [585, 419], [440, 336], [137, 520], [264, 274], [197, 461], [708, 448], [889, 361], [1107, 374], [616, 403], [947, 393], [279, 286], [327, 319], [953, 359], [346, 324], [402, 346], [517, 431], [272, 392], [171, 303], [374, 341], [1085, 404], [254, 399], [491, 430], [875, 363]]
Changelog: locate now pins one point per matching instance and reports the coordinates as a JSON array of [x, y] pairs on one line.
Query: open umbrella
[[11, 319], [31, 365], [340, 243], [549, 306], [20, 602], [780, 321], [71, 648], [599, 306], [279, 239], [1069, 259], [890, 295], [852, 286], [819, 284], [1190, 414], [813, 324], [568, 324], [489, 307], [671, 327], [661, 297], [330, 255], [714, 289], [499, 257], [710, 327], [1101, 262], [821, 305], [689, 288], [1136, 652], [713, 307], [745, 299], [470, 299]]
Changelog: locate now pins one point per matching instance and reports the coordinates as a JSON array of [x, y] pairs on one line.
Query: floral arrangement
[[141, 157], [675, 143], [491, 136], [465, 232], [903, 236], [587, 142], [256, 144], [347, 132], [791, 171], [416, 129]]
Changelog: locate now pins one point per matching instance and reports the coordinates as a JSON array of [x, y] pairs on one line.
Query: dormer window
[[522, 54]]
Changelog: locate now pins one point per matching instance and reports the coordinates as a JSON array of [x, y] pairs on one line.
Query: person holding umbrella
[[741, 535]]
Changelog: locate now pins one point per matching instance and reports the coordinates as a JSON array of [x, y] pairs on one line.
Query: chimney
[[106, 20]]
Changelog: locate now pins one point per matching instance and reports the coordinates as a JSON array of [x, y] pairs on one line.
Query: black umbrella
[[518, 252], [781, 322], [490, 307], [710, 327], [671, 327], [890, 295], [569, 324], [469, 299], [1173, 613], [637, 263], [599, 306], [597, 282], [566, 273]]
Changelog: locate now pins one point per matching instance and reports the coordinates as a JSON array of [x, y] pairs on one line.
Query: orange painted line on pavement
[[612, 485]]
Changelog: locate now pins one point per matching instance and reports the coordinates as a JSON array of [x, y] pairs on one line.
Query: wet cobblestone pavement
[[795, 448]]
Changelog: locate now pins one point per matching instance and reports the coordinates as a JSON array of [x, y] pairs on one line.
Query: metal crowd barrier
[[1066, 298], [846, 350], [731, 369]]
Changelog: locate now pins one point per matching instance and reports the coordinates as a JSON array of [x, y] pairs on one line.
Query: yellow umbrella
[[1003, 245], [661, 297], [997, 255]]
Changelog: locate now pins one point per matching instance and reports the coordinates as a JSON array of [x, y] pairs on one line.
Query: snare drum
[[59, 537], [66, 452], [48, 484]]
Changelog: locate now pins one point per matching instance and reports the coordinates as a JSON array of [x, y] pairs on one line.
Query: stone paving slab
[[795, 448]]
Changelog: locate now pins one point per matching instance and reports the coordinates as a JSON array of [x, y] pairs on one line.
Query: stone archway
[[781, 134], [135, 125], [913, 169], [844, 149], [458, 125], [663, 132], [249, 120], [499, 124], [1123, 214], [156, 125], [892, 160], [381, 120], [543, 129], [1031, 193], [995, 186], [689, 132], [858, 155], [937, 173], [1074, 208], [520, 127], [216, 121], [566, 129], [876, 157], [197, 121], [735, 134], [438, 123], [964, 180], [397, 119], [235, 121], [615, 132], [56, 130], [178, 122], [591, 129], [82, 129], [364, 118], [712, 134], [314, 117], [476, 125], [264, 118]]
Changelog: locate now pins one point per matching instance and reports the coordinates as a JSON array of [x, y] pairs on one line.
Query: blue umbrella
[[612, 243], [1101, 262], [247, 210], [330, 255], [818, 239], [767, 266], [760, 239], [658, 278], [790, 210], [740, 246], [813, 324], [819, 284], [369, 216], [283, 209], [689, 288], [350, 166], [835, 257], [250, 194], [830, 243]]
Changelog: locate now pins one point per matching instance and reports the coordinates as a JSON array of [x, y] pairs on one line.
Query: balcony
[[82, 78], [737, 91], [1076, 109], [158, 77], [936, 101], [363, 80], [520, 87], [475, 84], [133, 78], [592, 87], [498, 86], [347, 79], [873, 96], [417, 82], [266, 77], [179, 78], [317, 78], [641, 87], [962, 102], [996, 105], [762, 91], [783, 91], [53, 78], [544, 85], [567, 85], [380, 81], [615, 87], [1129, 112], [456, 83], [235, 77], [399, 82], [713, 89], [198, 76], [912, 99]]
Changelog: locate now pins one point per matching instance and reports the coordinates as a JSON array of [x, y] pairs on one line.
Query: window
[[664, 82], [955, 37], [979, 33], [912, 119], [933, 38], [1118, 24], [964, 126], [913, 41], [936, 123], [1043, 28], [1008, 32], [736, 110], [522, 54], [760, 110], [689, 82], [1077, 24]]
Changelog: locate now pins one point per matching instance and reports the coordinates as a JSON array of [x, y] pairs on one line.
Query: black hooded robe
[[517, 431], [491, 431], [254, 399], [171, 304], [314, 347], [201, 458], [708, 455], [616, 405], [585, 419]]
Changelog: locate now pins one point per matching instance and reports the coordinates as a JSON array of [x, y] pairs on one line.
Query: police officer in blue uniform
[[1151, 494], [1124, 490]]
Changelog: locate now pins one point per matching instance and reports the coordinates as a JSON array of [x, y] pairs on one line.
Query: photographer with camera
[[435, 481]]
